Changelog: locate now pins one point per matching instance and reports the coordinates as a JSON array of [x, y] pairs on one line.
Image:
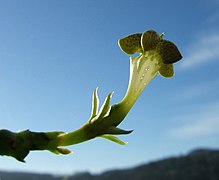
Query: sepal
[[95, 104], [105, 108], [114, 139], [59, 150], [116, 130]]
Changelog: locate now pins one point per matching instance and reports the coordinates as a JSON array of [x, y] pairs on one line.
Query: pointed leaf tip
[[114, 139], [115, 130], [64, 151], [60, 150], [95, 104], [106, 107]]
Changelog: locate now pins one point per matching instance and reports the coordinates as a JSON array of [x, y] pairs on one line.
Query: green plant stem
[[78, 136]]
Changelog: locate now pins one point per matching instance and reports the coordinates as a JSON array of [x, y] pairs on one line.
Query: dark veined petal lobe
[[149, 40], [168, 52], [166, 70], [131, 44]]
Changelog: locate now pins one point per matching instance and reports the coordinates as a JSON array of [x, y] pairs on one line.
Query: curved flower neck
[[143, 69]]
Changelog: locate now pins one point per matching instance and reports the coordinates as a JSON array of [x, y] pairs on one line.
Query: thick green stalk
[[78, 136]]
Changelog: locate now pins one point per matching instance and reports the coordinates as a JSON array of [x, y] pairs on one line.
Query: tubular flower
[[155, 55]]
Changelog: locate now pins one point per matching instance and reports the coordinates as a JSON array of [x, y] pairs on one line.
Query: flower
[[155, 56]]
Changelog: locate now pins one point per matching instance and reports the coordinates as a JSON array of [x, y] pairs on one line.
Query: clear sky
[[54, 53]]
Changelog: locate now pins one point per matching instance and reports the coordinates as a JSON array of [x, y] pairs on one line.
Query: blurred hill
[[201, 164]]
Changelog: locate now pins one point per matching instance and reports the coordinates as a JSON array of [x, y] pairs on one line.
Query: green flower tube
[[155, 56]]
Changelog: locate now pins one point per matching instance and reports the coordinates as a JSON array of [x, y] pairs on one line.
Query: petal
[[168, 52], [166, 70], [131, 44], [149, 40]]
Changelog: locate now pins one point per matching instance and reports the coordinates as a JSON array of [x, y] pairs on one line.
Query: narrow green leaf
[[59, 150], [106, 107], [95, 104], [64, 151], [115, 130], [114, 139]]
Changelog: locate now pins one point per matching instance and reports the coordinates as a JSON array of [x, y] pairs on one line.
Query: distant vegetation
[[202, 164]]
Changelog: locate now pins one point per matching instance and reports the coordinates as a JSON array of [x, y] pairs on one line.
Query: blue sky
[[54, 53]]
